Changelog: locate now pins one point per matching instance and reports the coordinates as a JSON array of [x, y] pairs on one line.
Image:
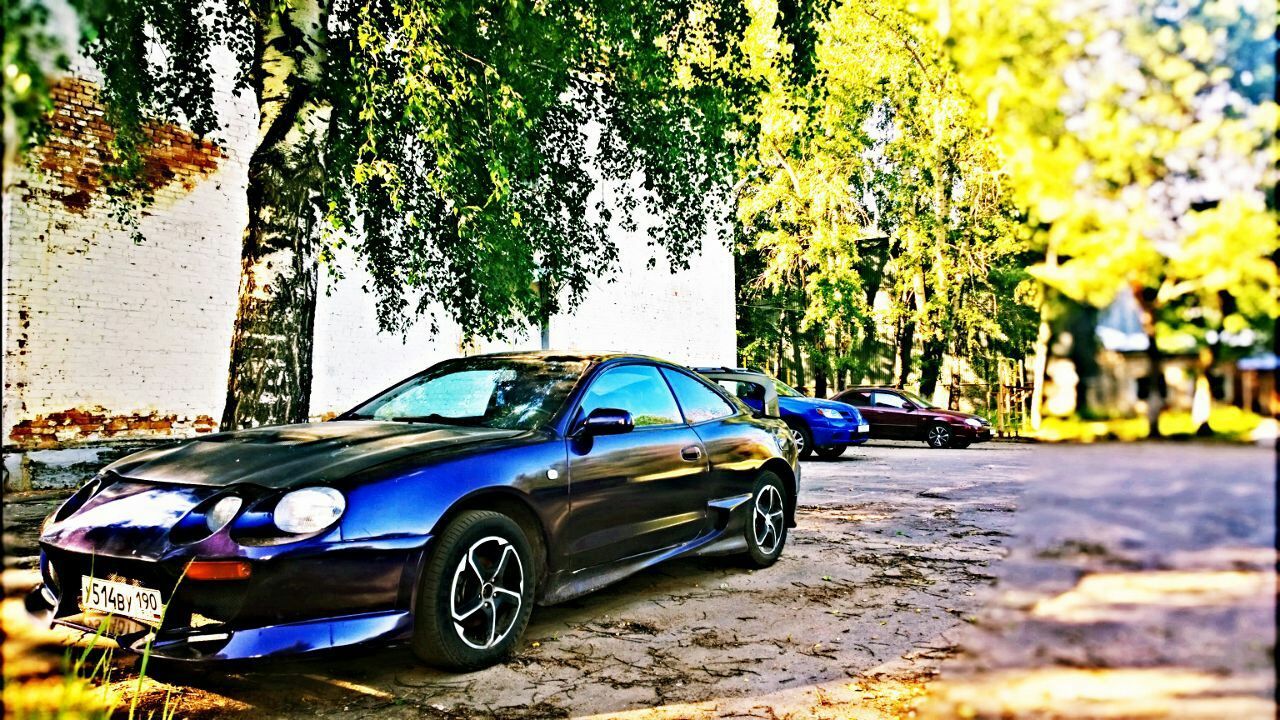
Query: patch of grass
[[1227, 422]]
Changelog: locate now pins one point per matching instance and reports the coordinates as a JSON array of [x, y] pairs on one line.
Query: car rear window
[[698, 401]]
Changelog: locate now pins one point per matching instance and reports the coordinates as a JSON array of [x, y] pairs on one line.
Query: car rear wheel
[[831, 452], [803, 439], [475, 594], [767, 527], [938, 436]]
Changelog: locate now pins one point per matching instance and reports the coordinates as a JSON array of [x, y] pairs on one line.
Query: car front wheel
[[938, 436], [831, 452], [767, 527], [475, 594], [803, 439]]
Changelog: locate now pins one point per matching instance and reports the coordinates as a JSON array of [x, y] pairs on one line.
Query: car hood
[[950, 414], [292, 455], [800, 404]]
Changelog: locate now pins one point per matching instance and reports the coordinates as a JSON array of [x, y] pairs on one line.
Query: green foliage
[[30, 51], [474, 152], [872, 172], [1160, 116], [478, 136]]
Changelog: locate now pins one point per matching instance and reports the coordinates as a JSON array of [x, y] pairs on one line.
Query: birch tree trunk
[[273, 337]]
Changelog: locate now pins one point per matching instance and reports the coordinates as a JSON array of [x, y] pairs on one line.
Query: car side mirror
[[909, 407], [605, 421]]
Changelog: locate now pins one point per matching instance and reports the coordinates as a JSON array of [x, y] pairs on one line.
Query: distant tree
[[1139, 142], [872, 139], [458, 146]]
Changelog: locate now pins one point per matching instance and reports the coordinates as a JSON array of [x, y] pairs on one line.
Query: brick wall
[[105, 338]]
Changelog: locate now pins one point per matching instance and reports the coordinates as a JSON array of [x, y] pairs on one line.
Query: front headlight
[[830, 414], [222, 512], [973, 422], [309, 510]]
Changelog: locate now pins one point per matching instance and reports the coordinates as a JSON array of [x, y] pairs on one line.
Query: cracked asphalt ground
[[890, 571]]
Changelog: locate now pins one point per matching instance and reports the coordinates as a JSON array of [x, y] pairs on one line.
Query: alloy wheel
[[486, 596], [939, 436], [767, 519], [798, 436]]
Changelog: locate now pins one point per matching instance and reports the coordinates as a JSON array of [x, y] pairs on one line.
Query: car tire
[[831, 452], [473, 602], [767, 525], [938, 436], [803, 439]]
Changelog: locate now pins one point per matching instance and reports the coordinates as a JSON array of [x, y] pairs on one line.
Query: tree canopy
[[475, 152], [871, 172]]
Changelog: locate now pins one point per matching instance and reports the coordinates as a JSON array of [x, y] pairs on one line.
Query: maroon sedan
[[899, 415]]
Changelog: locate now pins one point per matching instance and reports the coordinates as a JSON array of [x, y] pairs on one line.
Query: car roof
[[890, 388], [735, 371], [572, 356]]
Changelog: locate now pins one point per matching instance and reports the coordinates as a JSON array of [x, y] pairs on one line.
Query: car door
[[895, 414], [881, 426], [637, 491], [712, 417]]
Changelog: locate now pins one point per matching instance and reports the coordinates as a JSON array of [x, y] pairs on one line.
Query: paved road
[[1138, 576], [1140, 583]]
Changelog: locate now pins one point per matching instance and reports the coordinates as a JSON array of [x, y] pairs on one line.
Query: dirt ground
[[889, 580]]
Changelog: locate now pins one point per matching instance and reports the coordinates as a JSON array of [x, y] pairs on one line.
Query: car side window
[[638, 389], [884, 399], [857, 398], [743, 390], [698, 401]]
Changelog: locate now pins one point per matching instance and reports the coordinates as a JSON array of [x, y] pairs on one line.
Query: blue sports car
[[826, 427], [438, 512]]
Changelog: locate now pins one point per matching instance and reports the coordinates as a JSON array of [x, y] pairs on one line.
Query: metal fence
[[1005, 402]]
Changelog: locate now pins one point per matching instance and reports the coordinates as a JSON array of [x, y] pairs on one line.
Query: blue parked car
[[826, 427]]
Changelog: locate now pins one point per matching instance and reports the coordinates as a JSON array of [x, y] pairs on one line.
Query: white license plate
[[139, 603], [864, 428]]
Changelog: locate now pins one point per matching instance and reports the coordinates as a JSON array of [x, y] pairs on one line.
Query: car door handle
[[693, 453]]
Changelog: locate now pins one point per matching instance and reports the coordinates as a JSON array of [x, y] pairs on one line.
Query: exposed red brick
[[87, 424], [79, 144]]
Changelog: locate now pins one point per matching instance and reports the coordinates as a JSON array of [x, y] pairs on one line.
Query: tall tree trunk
[[273, 337], [1041, 362], [1156, 391], [1155, 386], [841, 352], [797, 352], [906, 343], [1084, 353], [931, 367], [819, 365], [1202, 397]]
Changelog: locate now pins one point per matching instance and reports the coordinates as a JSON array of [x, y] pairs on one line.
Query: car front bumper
[[972, 434], [835, 432], [306, 600]]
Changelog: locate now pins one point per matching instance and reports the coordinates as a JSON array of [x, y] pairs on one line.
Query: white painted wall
[[93, 319]]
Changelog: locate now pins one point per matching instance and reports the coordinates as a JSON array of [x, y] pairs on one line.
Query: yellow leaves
[[1228, 248]]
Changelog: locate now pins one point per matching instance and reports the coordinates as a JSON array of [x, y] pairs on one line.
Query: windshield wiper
[[433, 419]]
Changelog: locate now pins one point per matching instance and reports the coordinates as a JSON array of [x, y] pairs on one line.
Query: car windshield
[[919, 401], [507, 393], [785, 390]]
